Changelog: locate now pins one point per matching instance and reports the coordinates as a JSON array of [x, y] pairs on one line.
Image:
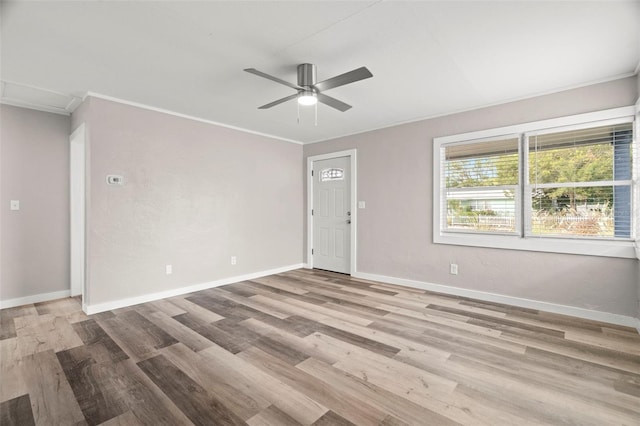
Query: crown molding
[[90, 94]]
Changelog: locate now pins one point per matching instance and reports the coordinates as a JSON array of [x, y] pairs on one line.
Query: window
[[331, 174], [580, 182], [481, 186], [563, 185]]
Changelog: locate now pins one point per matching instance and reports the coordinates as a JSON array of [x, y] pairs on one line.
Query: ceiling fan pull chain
[[316, 108], [298, 112]]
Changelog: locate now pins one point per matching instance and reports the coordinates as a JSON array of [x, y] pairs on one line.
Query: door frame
[[353, 246], [77, 211]]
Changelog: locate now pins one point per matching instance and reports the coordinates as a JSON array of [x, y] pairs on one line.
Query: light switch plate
[[15, 205], [361, 204]]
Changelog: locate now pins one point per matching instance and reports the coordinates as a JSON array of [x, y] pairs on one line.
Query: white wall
[[34, 241], [395, 236], [195, 194]]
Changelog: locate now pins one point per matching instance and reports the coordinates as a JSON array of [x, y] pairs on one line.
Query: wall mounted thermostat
[[115, 180]]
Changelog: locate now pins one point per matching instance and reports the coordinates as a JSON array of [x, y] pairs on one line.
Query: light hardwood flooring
[[314, 348]]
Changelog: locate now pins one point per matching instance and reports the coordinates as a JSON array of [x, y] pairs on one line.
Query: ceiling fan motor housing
[[306, 75]]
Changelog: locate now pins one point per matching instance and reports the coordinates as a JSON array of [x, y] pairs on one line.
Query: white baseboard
[[90, 309], [36, 298], [508, 300], [438, 288]]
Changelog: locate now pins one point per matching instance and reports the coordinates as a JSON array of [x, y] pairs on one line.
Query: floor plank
[[12, 384], [368, 392], [341, 403], [45, 332], [17, 412], [213, 381], [272, 416], [136, 335], [199, 406], [7, 317], [127, 419], [51, 395], [296, 404]]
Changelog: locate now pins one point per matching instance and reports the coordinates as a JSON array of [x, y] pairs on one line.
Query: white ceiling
[[428, 58]]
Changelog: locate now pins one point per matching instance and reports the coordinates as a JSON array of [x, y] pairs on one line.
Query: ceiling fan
[[309, 92]]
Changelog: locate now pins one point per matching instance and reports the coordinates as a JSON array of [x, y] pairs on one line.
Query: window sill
[[621, 249]]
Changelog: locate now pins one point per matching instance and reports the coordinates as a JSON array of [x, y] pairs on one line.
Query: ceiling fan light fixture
[[307, 98]]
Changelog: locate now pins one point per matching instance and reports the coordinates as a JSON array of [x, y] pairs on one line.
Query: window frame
[[521, 240]]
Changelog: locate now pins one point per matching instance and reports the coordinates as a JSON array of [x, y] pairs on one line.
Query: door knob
[[348, 221]]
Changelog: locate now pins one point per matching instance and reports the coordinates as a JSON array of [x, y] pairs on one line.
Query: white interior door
[[77, 156], [332, 215]]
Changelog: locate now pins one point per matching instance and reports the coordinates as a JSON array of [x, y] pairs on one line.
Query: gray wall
[[34, 241], [195, 194], [395, 236]]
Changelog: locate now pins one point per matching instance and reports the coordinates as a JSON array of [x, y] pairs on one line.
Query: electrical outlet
[[169, 269], [234, 260], [15, 205], [453, 270]]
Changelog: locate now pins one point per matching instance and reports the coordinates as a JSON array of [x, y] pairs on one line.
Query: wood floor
[[314, 348]]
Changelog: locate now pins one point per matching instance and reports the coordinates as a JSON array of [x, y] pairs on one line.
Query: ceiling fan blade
[[279, 101], [346, 78], [272, 78], [333, 102]]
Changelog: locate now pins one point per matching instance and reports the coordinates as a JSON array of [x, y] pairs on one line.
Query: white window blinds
[[481, 186], [579, 183]]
